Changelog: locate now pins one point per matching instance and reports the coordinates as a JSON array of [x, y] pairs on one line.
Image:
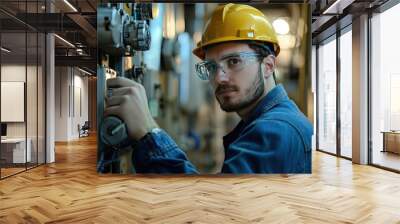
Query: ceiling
[[21, 20], [331, 15], [79, 27]]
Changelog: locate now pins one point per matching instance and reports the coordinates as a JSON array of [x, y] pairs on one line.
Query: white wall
[[70, 83], [13, 73], [33, 126], [16, 73], [61, 103]]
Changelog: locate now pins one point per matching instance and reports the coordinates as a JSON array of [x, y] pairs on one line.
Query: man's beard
[[252, 94]]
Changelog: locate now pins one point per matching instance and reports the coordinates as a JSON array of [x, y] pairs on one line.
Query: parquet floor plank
[[70, 191]]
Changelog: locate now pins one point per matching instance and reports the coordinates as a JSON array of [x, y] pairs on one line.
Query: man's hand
[[128, 101]]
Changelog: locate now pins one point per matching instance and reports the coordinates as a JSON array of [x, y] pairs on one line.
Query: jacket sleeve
[[158, 153], [267, 146]]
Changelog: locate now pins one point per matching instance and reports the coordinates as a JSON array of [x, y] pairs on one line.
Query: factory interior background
[[338, 63], [182, 103]]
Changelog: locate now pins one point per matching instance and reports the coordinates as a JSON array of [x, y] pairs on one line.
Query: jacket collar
[[274, 97]]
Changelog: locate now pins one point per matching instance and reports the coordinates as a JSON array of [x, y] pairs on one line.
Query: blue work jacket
[[275, 138]]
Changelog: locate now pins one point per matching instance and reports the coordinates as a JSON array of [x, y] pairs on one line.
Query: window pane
[[15, 151], [31, 97], [346, 94], [386, 89], [327, 97]]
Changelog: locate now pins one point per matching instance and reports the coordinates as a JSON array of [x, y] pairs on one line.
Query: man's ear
[[269, 65]]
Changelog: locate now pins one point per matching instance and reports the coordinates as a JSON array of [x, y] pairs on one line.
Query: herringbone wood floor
[[70, 191]]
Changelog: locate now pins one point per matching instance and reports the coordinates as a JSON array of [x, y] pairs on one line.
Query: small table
[[391, 141], [14, 150]]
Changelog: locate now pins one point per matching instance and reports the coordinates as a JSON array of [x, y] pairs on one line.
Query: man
[[238, 50]]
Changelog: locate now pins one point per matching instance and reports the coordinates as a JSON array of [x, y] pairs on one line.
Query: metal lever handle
[[113, 131]]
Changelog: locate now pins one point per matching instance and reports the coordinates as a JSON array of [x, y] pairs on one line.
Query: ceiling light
[[281, 26], [5, 50], [70, 5], [337, 7], [86, 72], [79, 44], [65, 41], [286, 41]]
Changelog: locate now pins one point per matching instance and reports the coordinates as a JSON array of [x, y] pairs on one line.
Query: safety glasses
[[229, 64]]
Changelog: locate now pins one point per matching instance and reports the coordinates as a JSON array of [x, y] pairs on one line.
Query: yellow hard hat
[[235, 22]]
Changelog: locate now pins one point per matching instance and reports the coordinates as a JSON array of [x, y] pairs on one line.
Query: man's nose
[[221, 76]]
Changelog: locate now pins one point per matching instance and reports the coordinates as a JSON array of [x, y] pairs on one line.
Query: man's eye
[[234, 61]]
